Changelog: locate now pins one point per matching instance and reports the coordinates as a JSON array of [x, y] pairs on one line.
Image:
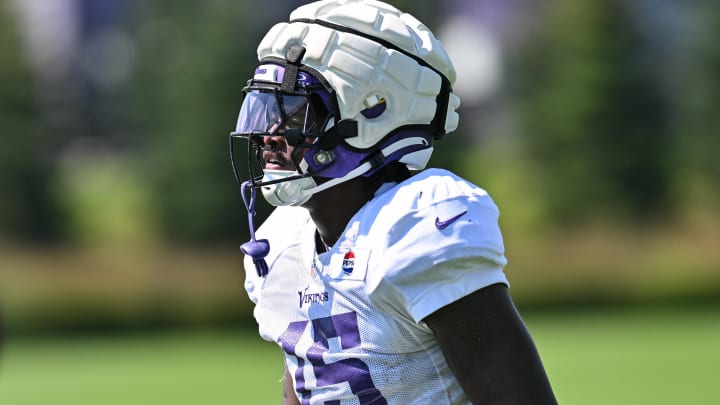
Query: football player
[[381, 285]]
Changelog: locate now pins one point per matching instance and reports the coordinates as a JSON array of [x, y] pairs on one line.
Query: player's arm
[[289, 397], [489, 349]]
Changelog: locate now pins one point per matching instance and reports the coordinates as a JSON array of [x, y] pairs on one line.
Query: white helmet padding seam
[[443, 96], [367, 49]]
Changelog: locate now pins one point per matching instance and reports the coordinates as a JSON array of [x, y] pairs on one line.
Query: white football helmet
[[352, 85]]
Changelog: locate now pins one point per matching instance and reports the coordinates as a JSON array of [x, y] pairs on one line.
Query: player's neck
[[332, 209]]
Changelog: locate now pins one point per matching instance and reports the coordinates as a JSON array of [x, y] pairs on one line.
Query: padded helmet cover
[[345, 41]]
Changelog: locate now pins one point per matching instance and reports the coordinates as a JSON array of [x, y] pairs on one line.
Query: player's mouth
[[275, 159]]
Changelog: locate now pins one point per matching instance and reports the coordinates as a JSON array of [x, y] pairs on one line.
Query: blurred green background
[[594, 126]]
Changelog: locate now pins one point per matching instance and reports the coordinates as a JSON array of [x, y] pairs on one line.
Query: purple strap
[[257, 249]]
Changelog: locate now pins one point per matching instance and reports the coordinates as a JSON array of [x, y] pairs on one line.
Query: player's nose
[[275, 142]]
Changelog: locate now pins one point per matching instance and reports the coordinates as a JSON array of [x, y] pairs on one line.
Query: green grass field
[[604, 357]]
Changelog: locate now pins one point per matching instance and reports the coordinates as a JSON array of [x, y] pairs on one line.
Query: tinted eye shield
[[268, 111]]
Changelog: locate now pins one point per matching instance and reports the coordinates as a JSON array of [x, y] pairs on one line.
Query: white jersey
[[350, 320]]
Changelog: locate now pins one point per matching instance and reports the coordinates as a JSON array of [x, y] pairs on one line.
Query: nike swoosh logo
[[444, 224]]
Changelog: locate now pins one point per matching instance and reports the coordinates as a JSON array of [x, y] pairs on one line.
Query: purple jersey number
[[353, 371]]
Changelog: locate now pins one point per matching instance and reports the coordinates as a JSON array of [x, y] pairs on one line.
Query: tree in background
[[695, 82], [595, 122], [28, 212], [194, 60]]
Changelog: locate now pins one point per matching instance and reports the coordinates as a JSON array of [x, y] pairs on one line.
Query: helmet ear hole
[[374, 106]]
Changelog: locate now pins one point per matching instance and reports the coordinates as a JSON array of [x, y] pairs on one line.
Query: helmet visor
[[271, 112]]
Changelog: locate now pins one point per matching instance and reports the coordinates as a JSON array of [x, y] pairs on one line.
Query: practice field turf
[[637, 357]]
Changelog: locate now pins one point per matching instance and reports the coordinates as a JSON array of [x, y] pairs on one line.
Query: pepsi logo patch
[[348, 263], [351, 264]]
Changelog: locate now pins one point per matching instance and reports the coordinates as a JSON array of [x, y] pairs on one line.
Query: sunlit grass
[[653, 356], [145, 369]]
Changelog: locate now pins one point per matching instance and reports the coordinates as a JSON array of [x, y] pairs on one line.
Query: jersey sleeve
[[442, 252]]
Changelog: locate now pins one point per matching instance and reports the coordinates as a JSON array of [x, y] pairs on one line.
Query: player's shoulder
[[432, 218], [444, 183], [408, 210], [433, 186]]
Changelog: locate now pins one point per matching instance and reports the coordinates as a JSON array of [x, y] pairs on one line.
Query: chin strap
[[257, 249], [371, 164]]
